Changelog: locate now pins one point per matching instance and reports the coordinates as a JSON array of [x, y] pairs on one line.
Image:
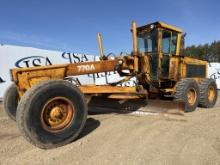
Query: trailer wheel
[[51, 114], [208, 93], [10, 101], [187, 91]]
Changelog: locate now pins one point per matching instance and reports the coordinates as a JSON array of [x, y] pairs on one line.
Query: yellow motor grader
[[51, 112]]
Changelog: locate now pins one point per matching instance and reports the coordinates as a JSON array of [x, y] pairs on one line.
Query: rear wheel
[[52, 113], [187, 91], [10, 101], [208, 93]]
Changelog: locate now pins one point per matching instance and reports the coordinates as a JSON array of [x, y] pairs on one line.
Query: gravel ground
[[125, 139]]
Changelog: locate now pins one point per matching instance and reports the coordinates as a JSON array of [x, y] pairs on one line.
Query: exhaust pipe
[[101, 51], [135, 49]]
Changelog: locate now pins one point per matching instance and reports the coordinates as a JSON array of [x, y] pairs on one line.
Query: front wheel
[[10, 101], [52, 113]]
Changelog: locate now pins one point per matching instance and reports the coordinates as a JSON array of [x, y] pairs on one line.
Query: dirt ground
[[125, 139]]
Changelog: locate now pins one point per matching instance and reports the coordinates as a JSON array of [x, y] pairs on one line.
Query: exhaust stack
[[100, 46], [135, 49]]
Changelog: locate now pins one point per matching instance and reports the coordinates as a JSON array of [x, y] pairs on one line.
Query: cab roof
[[162, 25]]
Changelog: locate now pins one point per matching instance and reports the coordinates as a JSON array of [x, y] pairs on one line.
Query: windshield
[[147, 41]]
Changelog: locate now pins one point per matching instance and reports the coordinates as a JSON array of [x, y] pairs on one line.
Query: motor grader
[[51, 111]]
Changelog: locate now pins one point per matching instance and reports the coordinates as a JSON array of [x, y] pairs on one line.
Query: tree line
[[209, 52]]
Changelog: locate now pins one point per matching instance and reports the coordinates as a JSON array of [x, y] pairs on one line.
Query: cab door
[[168, 49]]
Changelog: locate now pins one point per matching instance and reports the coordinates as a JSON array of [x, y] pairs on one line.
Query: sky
[[72, 25]]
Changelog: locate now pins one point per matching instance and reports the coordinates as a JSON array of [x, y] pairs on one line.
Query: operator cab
[[160, 42]]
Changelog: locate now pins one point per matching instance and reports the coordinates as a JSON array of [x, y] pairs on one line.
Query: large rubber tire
[[29, 113], [10, 101], [208, 93], [183, 88]]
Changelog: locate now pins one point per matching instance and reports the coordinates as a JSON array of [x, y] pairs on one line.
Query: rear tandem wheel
[[187, 91], [208, 93]]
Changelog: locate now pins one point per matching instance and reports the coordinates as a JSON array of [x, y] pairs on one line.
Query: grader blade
[[164, 106], [103, 105]]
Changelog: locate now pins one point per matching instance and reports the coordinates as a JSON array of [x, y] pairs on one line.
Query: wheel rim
[[57, 114], [211, 94], [191, 96]]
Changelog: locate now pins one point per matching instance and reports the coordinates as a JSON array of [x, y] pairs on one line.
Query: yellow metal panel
[[178, 46], [26, 79], [93, 89], [173, 69], [189, 60], [164, 25]]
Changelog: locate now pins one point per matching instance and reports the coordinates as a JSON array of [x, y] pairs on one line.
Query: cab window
[[173, 43], [169, 42], [147, 41], [166, 37]]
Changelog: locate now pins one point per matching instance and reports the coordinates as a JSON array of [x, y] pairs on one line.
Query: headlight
[[120, 62]]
